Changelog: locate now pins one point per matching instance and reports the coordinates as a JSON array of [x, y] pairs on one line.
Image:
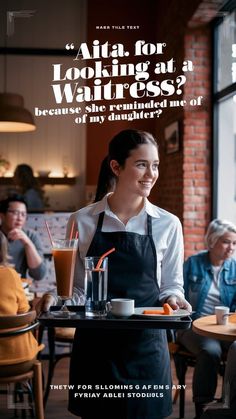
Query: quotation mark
[[70, 46]]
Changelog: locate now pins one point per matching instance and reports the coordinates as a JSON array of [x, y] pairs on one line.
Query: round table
[[206, 326]]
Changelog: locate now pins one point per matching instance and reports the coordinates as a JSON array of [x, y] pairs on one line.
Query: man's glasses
[[17, 213]]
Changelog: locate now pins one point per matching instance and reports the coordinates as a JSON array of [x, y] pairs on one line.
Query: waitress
[[125, 374]]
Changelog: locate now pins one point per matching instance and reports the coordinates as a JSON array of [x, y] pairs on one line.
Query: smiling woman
[[134, 180], [146, 267]]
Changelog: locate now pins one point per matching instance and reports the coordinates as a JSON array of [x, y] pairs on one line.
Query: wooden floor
[[57, 403]]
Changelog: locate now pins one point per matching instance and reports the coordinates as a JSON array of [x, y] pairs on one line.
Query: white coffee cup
[[222, 314], [121, 307]]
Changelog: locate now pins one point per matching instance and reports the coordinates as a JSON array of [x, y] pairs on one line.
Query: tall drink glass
[[64, 255], [95, 287]]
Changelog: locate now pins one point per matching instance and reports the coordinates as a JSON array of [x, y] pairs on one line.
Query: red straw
[[97, 268], [71, 231], [76, 235], [49, 233]]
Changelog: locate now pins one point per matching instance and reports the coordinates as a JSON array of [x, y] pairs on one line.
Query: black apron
[[125, 374]]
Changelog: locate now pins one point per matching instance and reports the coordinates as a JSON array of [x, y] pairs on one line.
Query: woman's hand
[[45, 303], [178, 302]]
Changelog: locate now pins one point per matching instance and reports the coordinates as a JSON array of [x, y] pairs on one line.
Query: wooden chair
[[56, 335], [182, 360], [16, 325]]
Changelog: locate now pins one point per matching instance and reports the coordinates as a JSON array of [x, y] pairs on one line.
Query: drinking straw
[[103, 257], [71, 230], [76, 235], [49, 233]]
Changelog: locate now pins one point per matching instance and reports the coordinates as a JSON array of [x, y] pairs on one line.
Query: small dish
[[138, 312]]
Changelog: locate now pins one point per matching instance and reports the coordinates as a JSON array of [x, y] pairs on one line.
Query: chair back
[[11, 325], [15, 325], [17, 320]]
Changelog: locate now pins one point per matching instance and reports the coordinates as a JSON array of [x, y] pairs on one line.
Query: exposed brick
[[194, 231], [195, 174], [194, 199], [188, 182], [186, 176], [202, 207], [194, 159], [201, 191], [202, 129], [188, 167], [190, 215], [188, 223], [200, 246]]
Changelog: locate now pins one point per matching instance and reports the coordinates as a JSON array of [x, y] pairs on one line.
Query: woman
[[146, 266], [21, 351], [29, 187], [209, 280]]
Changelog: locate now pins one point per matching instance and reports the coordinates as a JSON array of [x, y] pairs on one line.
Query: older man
[[25, 247]]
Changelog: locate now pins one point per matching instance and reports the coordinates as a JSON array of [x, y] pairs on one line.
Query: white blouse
[[167, 236]]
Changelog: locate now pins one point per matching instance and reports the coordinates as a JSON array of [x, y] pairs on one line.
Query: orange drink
[[64, 255]]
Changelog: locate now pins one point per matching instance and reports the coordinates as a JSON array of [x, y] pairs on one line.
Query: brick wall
[[197, 142], [184, 185]]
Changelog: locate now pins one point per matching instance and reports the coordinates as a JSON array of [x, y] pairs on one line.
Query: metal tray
[[78, 319]]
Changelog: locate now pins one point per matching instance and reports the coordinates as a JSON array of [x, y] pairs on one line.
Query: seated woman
[[209, 280], [17, 354]]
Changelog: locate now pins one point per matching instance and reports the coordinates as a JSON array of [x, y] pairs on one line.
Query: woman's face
[[225, 246], [140, 171]]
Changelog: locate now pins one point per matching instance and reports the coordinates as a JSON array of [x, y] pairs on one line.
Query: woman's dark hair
[[120, 148], [106, 180], [126, 141], [25, 178]]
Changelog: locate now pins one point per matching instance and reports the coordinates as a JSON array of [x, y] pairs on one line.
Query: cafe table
[[206, 326]]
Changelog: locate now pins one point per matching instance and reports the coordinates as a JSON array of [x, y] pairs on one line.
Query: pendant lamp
[[13, 116]]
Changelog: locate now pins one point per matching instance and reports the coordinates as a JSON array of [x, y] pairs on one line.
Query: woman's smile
[[146, 184]]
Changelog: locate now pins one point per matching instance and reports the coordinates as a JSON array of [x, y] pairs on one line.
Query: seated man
[[25, 247]]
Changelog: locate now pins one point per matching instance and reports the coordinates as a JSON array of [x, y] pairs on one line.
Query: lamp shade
[[13, 116]]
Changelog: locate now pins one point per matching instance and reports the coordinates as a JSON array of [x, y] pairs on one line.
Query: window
[[224, 157]]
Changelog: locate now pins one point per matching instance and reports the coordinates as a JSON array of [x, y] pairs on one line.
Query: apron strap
[[149, 225], [100, 222]]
